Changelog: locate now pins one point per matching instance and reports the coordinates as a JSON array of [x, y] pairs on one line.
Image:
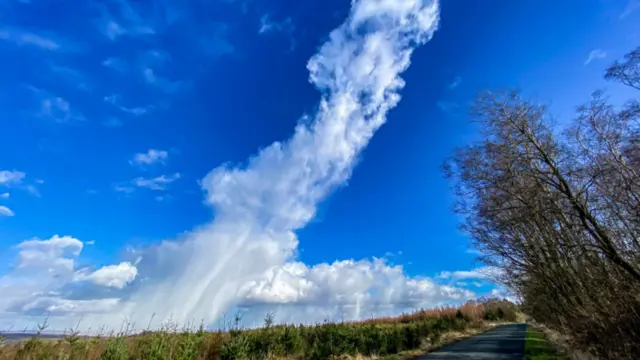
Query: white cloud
[[116, 276], [27, 38], [346, 290], [55, 254], [5, 211], [246, 256], [39, 284], [11, 177], [151, 157], [158, 183], [595, 55], [5, 196], [258, 207], [482, 273], [58, 306]]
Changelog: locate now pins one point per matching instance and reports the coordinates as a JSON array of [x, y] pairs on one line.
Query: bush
[[374, 337]]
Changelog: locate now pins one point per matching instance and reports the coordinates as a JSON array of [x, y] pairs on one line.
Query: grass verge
[[537, 347], [393, 338]]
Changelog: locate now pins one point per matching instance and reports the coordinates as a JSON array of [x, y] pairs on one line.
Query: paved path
[[505, 342]]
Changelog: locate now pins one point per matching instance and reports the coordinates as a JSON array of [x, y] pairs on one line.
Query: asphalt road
[[505, 342]]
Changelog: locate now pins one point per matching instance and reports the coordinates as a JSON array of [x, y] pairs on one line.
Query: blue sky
[[138, 148]]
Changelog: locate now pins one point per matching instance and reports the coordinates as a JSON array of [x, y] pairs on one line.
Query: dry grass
[[401, 337]]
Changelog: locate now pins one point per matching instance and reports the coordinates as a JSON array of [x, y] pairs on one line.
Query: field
[[379, 337]]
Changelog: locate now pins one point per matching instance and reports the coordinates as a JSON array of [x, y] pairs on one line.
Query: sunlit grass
[[538, 348], [381, 337]]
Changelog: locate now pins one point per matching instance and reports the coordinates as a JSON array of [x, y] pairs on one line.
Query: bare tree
[[560, 212]]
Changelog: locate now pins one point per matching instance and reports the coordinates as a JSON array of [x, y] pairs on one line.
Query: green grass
[[537, 347], [402, 337]]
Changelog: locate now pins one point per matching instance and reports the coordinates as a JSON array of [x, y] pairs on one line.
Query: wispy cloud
[[59, 110], [161, 83], [115, 63], [267, 25], [115, 100], [124, 188], [33, 190], [11, 177], [5, 211], [14, 178], [159, 183], [285, 27], [482, 273], [152, 156], [448, 107], [55, 107], [595, 55], [455, 83], [128, 23], [70, 75], [632, 6], [22, 37]]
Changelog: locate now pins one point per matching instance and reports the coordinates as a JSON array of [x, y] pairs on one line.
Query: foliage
[[373, 337], [558, 212]]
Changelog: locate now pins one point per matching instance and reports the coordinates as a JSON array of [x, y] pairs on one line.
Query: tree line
[[556, 207]]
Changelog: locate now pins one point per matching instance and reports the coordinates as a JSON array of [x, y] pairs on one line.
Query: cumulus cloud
[[152, 156], [5, 211], [38, 283], [116, 276], [259, 206], [245, 258], [595, 55], [343, 290], [54, 254]]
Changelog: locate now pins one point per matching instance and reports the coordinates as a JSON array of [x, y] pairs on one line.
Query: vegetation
[[537, 347], [375, 337], [557, 210]]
